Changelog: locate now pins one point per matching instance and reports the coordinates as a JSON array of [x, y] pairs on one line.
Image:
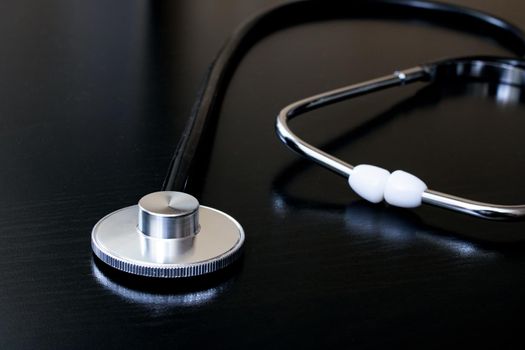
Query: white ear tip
[[369, 182], [404, 190]]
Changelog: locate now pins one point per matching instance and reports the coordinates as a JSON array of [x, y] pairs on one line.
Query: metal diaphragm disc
[[116, 241]]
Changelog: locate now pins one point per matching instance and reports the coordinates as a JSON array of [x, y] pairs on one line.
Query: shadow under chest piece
[[168, 234]]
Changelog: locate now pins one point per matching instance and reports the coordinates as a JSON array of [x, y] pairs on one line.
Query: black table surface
[[93, 98]]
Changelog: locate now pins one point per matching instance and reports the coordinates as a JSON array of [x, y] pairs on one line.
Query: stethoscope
[[168, 234]]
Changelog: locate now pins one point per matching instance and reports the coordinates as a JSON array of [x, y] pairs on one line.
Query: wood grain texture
[[93, 96]]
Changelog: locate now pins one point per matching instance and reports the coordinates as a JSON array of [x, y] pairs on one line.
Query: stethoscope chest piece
[[169, 235]]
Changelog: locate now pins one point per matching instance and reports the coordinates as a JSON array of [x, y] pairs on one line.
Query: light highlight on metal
[[118, 241]]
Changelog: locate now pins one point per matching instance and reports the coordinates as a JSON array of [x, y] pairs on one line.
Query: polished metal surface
[[117, 240], [168, 214], [503, 71], [310, 103]]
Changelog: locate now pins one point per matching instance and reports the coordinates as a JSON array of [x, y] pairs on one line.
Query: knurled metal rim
[[170, 270]]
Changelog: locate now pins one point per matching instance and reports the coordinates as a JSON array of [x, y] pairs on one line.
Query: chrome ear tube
[[400, 188], [168, 235]]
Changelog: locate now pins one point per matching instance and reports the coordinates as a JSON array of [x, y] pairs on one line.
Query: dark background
[[93, 97]]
